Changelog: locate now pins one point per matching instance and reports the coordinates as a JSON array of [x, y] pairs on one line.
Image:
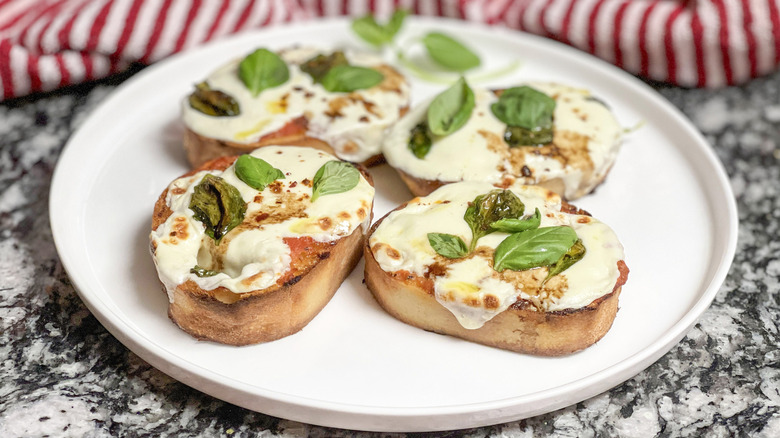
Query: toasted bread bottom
[[518, 329], [267, 315]]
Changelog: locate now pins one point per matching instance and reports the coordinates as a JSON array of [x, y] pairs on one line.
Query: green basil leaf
[[347, 78], [376, 34], [447, 245], [213, 102], [489, 208], [319, 66], [396, 22], [218, 205], [263, 69], [256, 172], [451, 109], [370, 31], [334, 177], [533, 248], [515, 136], [509, 225], [572, 256], [449, 53], [525, 107], [203, 272], [420, 141]]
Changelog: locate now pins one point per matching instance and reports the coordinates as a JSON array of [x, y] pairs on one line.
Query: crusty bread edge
[[517, 329]]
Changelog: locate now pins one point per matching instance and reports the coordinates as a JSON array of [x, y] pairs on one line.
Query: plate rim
[[383, 418]]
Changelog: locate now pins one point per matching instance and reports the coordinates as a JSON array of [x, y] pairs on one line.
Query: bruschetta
[[249, 249], [559, 137], [511, 267], [338, 101]]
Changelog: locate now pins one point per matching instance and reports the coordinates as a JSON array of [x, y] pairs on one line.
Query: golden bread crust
[[261, 315]]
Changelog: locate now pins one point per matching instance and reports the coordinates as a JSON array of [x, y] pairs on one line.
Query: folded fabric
[[706, 43]]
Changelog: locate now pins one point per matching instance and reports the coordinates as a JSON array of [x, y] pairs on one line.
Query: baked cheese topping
[[352, 123], [586, 140], [469, 287], [254, 255]]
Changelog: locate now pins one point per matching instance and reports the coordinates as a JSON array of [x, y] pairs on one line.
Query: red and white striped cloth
[[46, 44]]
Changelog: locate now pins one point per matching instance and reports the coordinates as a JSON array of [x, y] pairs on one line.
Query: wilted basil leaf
[[525, 107], [489, 208], [449, 53], [347, 78], [447, 245], [334, 177], [515, 136], [218, 205], [420, 141], [319, 66], [256, 172], [203, 272], [572, 256], [213, 102], [263, 69], [516, 225], [451, 109], [533, 248]]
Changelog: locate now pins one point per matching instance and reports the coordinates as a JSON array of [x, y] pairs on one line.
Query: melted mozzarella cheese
[[400, 243], [256, 255], [355, 133], [468, 155]]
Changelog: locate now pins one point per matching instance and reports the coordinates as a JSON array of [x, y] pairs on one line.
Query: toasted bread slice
[[585, 142], [302, 250], [349, 125], [521, 311]]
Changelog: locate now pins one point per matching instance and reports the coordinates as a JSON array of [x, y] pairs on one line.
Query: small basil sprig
[[420, 141], [256, 172], [449, 53], [318, 66], [376, 34], [489, 208], [348, 78], [263, 69], [218, 205], [448, 245], [213, 102], [533, 248], [528, 114], [203, 272], [572, 256], [451, 109], [510, 225], [334, 177]]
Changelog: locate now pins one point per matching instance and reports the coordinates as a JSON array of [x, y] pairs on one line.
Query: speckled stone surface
[[63, 374]]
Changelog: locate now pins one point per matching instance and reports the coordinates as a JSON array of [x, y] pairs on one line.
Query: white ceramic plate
[[354, 366]]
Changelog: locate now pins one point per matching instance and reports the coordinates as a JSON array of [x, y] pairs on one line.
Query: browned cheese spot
[[276, 187], [335, 106], [393, 253], [306, 182], [350, 147], [494, 142], [584, 220], [325, 223], [178, 190], [364, 119], [258, 198], [490, 301], [361, 213], [343, 215], [293, 184], [180, 228], [393, 81], [436, 269]]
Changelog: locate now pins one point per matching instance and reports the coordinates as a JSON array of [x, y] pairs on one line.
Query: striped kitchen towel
[[46, 44]]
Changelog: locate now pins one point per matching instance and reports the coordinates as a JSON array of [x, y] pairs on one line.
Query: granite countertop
[[63, 374]]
